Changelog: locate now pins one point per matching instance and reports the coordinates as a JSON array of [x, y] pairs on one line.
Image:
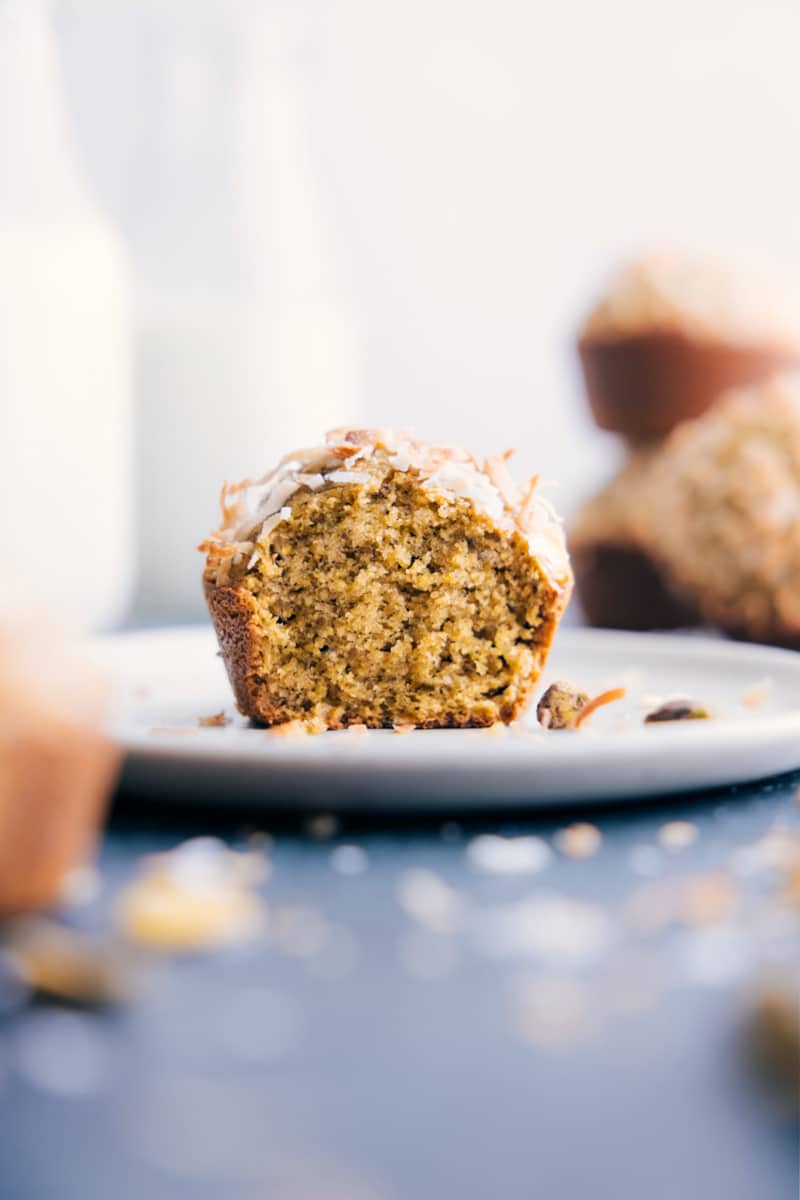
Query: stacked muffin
[[699, 523]]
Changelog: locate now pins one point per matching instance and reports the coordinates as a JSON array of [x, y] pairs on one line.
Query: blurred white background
[[399, 212]]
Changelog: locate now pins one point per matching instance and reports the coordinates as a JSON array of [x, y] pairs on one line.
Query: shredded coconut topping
[[252, 509], [314, 481], [349, 477], [462, 479]]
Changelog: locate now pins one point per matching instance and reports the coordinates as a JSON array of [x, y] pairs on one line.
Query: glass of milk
[[66, 533], [247, 341]]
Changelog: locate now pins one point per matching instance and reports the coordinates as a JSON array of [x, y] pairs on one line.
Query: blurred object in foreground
[[773, 1041], [65, 506], [69, 964], [199, 896], [247, 339], [673, 334], [56, 767]]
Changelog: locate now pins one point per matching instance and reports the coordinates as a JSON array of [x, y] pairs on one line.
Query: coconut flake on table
[[508, 855], [558, 930], [580, 840], [199, 896], [677, 835], [348, 859], [431, 901]]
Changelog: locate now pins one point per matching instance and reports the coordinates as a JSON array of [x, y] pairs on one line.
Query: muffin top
[[252, 508], [724, 511], [696, 298]]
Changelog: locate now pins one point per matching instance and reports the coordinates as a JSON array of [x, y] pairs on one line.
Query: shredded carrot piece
[[608, 697]]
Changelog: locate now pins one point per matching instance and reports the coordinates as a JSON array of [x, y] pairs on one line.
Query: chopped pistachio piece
[[561, 705], [677, 710]]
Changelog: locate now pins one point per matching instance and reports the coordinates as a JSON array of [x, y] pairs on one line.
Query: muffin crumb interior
[[419, 606]]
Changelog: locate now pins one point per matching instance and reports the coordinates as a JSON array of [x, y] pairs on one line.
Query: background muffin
[[727, 525], [671, 335], [619, 582]]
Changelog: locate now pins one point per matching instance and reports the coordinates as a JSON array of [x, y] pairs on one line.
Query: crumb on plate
[[560, 705], [215, 721]]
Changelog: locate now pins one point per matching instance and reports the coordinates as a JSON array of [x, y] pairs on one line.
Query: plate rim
[[716, 734], [466, 770]]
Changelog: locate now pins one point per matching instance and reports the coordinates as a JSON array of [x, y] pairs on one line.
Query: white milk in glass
[[234, 370], [65, 355]]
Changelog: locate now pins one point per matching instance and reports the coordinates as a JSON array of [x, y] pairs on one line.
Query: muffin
[[671, 335], [56, 767], [726, 527], [381, 581], [618, 581]]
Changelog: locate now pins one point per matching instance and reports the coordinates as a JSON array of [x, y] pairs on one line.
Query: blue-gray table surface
[[390, 1057]]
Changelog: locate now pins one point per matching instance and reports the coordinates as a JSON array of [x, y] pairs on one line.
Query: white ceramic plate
[[167, 679]]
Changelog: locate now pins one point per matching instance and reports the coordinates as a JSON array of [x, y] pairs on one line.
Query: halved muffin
[[383, 581]]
